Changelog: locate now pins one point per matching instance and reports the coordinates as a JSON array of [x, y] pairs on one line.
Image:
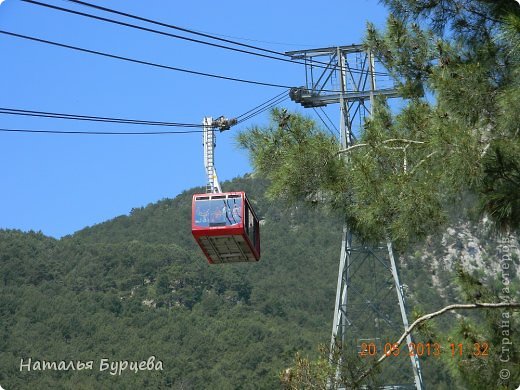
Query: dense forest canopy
[[138, 286]]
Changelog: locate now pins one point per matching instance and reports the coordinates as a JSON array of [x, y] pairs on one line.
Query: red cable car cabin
[[226, 227]]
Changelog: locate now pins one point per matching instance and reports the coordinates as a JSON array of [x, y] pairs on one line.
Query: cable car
[[223, 223], [226, 227]]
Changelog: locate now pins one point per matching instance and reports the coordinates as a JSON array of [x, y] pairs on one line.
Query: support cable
[[206, 35], [261, 105], [103, 19], [99, 132], [283, 55], [35, 39], [54, 115], [324, 123], [266, 108], [330, 121], [44, 114]]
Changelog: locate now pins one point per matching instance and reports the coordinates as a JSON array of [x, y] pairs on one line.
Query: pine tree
[[454, 146]]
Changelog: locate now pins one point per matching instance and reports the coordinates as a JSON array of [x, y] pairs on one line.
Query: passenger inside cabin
[[217, 216], [235, 213], [202, 215]]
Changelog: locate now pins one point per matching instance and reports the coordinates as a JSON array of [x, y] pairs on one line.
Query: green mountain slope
[[137, 286]]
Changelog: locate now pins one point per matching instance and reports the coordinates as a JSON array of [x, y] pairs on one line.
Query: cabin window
[[218, 212]]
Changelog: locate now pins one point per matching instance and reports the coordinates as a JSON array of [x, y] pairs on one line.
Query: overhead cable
[[54, 115], [101, 132], [44, 114], [262, 105], [315, 63], [330, 121], [206, 35], [154, 31], [263, 109], [143, 62], [10, 111], [324, 123]]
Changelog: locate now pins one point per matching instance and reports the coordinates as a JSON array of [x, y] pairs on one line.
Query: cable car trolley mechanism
[[223, 223]]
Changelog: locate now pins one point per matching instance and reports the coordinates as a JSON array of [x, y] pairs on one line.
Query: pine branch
[[406, 141], [423, 160], [429, 317]]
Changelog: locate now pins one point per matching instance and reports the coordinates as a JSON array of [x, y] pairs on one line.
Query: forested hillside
[[137, 286]]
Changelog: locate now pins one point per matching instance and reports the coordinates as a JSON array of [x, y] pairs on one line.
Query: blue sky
[[59, 184]]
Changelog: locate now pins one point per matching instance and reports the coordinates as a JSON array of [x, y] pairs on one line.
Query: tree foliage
[[453, 148], [299, 160], [138, 286], [457, 134], [475, 81]]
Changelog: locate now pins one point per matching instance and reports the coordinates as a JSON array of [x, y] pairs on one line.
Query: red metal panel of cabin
[[208, 257], [234, 230]]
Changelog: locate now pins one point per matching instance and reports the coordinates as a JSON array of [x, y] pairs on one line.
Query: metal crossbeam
[[308, 98]]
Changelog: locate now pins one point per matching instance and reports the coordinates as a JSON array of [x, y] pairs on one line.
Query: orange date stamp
[[480, 349]]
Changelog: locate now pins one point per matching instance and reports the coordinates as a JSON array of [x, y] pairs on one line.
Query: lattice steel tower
[[365, 315]]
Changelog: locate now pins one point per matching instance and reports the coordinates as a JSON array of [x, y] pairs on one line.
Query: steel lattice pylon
[[365, 315]]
